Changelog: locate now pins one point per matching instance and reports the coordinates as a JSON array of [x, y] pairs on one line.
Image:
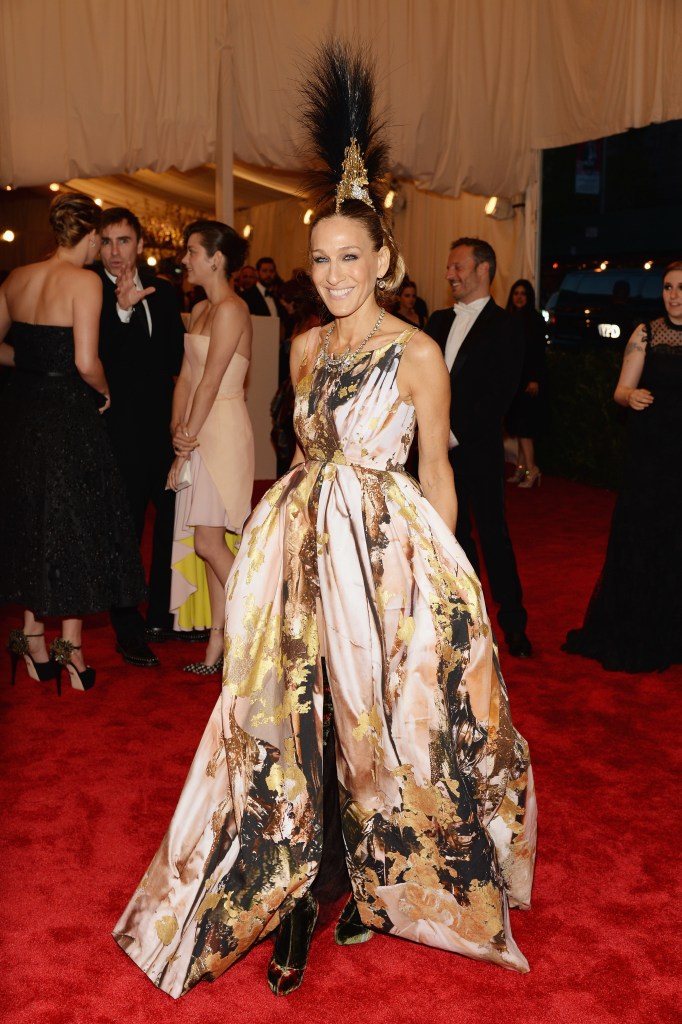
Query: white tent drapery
[[474, 90]]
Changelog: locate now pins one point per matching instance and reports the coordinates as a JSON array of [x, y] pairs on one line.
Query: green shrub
[[584, 440]]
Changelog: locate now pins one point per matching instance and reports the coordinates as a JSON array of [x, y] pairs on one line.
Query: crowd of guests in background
[[496, 360]]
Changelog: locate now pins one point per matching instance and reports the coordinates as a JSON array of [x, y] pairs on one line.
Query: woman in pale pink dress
[[211, 430]]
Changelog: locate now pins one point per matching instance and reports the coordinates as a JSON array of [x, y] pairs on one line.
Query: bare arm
[[86, 312], [627, 393], [425, 382], [6, 351], [181, 395]]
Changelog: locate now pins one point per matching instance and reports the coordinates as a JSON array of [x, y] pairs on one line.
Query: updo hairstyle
[[379, 233], [218, 237], [72, 217]]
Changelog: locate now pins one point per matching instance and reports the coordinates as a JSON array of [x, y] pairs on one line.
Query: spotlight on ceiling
[[308, 216], [151, 261], [499, 208], [8, 235], [54, 187], [247, 230]]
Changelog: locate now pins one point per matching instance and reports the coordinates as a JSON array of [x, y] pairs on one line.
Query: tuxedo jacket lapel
[[472, 339]]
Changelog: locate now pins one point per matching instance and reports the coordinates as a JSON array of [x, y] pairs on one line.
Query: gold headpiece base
[[354, 180]]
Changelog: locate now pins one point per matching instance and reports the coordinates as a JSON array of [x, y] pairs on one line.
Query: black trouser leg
[[158, 615], [480, 476]]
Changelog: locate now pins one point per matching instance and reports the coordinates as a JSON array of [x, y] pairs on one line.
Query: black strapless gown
[[633, 622], [68, 542]]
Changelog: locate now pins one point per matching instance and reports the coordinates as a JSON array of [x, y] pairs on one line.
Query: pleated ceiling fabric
[[89, 87]]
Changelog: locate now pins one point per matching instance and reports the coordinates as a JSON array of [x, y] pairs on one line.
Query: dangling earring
[[381, 283]]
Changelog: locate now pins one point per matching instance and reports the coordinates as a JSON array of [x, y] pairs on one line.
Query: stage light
[[247, 230], [499, 208], [54, 187], [7, 236], [151, 261], [308, 216]]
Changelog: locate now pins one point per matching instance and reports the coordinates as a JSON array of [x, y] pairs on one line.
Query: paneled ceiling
[[153, 193]]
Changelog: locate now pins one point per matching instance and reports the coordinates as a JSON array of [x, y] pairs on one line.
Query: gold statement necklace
[[345, 358]]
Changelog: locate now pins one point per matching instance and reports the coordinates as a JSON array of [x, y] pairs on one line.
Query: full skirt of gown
[[344, 558], [69, 542]]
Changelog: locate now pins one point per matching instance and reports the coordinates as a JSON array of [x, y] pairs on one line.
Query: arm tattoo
[[634, 346]]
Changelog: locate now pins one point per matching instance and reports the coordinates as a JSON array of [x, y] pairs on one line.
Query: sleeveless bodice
[[662, 373], [42, 348], [232, 384], [353, 414]]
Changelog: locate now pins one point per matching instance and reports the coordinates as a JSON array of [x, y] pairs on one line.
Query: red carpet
[[90, 781]]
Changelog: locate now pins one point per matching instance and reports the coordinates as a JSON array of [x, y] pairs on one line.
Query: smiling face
[[120, 247], [345, 264], [672, 295], [468, 281], [196, 261]]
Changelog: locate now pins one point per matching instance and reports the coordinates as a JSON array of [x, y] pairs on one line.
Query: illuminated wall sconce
[[395, 200], [308, 216], [247, 230], [8, 235], [54, 187], [499, 208]]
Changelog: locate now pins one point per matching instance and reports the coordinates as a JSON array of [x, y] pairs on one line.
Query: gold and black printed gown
[[344, 558]]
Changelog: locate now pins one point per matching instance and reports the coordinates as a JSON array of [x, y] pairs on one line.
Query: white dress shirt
[[125, 315], [465, 318]]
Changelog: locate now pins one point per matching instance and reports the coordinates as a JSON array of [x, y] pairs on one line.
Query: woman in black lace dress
[[634, 619], [69, 545]]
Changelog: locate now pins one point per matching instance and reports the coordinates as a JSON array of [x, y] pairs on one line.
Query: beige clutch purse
[[184, 477]]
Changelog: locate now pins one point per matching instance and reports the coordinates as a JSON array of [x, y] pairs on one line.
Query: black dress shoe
[[191, 636], [157, 634], [519, 645], [136, 652]]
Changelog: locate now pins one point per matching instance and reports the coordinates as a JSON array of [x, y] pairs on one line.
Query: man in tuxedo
[[262, 299], [246, 278], [141, 345], [484, 352]]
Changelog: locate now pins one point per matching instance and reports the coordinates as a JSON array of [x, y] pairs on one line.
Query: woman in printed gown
[[347, 557], [213, 431]]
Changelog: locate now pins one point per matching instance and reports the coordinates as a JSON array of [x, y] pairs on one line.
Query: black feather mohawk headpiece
[[347, 138]]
